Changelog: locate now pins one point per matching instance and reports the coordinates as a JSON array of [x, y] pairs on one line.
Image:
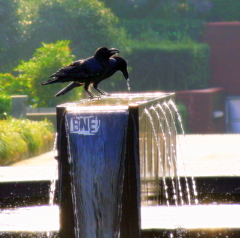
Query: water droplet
[[128, 85]]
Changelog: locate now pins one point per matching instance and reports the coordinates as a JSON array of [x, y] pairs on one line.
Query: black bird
[[85, 71], [116, 63]]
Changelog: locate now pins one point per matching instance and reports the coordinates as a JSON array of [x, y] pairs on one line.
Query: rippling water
[[46, 218]]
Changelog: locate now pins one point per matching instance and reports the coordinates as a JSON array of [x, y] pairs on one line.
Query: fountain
[[118, 176], [110, 149]]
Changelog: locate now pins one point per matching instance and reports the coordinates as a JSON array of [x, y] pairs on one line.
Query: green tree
[[88, 24], [10, 35], [224, 11], [45, 61], [11, 85], [5, 105]]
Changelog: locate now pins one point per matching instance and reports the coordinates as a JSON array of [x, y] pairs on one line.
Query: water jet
[[145, 163], [119, 175]]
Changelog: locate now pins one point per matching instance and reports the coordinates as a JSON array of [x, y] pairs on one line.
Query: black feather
[[116, 63], [84, 71]]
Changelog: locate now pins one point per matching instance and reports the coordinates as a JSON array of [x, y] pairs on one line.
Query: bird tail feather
[[67, 89], [50, 81]]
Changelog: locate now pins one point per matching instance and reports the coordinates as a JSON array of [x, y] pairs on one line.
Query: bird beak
[[125, 73], [113, 51]]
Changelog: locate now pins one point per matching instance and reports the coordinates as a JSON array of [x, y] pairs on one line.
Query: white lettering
[[84, 125]]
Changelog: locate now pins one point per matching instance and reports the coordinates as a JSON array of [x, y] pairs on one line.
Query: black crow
[[85, 71], [116, 63]]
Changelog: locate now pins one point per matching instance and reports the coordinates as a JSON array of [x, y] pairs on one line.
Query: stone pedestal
[[19, 103]]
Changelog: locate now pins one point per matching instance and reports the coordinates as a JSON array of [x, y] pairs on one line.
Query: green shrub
[[13, 147], [21, 139], [46, 60], [131, 9], [181, 8], [169, 66], [207, 10], [34, 133], [223, 10], [182, 110], [5, 105], [152, 30], [160, 8]]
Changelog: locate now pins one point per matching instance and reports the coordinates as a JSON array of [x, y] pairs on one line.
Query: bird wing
[[81, 69], [111, 70]]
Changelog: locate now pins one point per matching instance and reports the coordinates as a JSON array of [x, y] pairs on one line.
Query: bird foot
[[104, 94], [94, 97]]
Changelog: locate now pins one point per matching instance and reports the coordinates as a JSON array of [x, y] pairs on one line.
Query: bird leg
[[95, 85], [91, 95]]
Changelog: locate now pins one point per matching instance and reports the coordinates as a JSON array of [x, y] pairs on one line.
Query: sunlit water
[[46, 218], [191, 217], [96, 157], [154, 215], [171, 106], [159, 158], [25, 219]]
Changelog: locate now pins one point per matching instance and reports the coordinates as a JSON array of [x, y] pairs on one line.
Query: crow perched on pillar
[[116, 63], [85, 71]]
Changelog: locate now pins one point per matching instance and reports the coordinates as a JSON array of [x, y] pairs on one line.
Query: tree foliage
[[157, 30], [10, 34], [24, 24], [88, 24], [45, 61], [5, 105], [160, 8], [223, 10], [11, 85], [207, 10]]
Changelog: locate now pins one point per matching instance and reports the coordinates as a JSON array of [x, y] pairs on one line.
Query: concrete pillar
[[19, 103]]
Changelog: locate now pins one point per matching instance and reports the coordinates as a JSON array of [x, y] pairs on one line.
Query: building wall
[[202, 107], [224, 41]]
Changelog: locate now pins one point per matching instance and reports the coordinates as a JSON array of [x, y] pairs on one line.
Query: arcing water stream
[[168, 201]]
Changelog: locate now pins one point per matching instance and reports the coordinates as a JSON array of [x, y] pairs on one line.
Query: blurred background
[[160, 39], [163, 42]]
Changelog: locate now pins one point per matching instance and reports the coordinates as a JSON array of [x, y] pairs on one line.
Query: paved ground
[[43, 167], [209, 155], [46, 159], [198, 155]]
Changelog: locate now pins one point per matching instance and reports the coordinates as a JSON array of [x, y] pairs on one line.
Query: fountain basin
[[78, 130], [183, 221], [157, 219]]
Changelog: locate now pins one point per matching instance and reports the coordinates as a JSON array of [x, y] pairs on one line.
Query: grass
[[20, 139]]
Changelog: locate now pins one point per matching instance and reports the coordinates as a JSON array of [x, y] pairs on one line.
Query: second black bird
[[85, 72], [116, 63]]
